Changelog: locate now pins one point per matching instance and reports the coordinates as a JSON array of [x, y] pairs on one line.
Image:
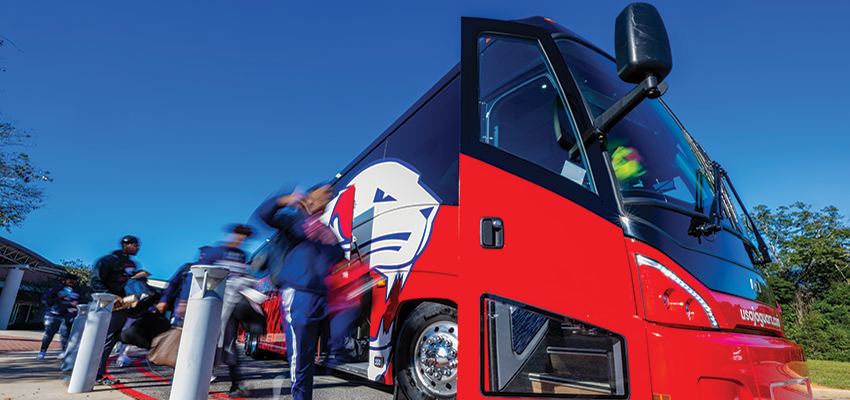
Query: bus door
[[547, 305]]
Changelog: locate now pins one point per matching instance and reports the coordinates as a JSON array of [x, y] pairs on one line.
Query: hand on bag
[[161, 307]]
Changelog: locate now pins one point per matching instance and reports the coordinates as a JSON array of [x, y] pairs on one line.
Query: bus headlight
[[670, 300]]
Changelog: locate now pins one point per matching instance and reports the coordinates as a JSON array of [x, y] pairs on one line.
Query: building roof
[[13, 253]]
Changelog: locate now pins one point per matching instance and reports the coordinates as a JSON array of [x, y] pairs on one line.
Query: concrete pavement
[[24, 377]]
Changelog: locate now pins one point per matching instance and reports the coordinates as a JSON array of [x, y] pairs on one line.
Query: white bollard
[[91, 344], [74, 337], [200, 334], [10, 292]]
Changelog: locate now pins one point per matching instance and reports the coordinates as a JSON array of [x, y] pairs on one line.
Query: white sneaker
[[123, 361], [61, 354]]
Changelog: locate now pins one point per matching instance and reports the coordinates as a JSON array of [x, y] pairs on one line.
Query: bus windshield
[[652, 156]]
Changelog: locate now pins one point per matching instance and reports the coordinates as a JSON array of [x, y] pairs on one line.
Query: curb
[[834, 394]]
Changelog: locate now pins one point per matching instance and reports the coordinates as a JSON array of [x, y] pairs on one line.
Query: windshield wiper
[[765, 254], [712, 224]]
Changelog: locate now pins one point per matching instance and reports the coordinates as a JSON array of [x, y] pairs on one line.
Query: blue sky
[[168, 120]]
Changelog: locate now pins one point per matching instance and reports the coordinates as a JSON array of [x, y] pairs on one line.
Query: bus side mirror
[[641, 44], [643, 57]]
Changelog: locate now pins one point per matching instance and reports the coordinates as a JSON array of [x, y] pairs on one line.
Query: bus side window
[[522, 107]]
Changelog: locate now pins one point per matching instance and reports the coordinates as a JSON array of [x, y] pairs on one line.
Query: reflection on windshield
[[651, 154], [651, 157]]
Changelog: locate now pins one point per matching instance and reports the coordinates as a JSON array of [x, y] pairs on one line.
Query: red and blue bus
[[540, 225]]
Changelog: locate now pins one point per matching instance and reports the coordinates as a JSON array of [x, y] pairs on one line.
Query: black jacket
[[109, 273]]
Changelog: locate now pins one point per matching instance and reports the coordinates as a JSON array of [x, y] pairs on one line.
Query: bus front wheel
[[256, 352], [426, 355], [247, 342]]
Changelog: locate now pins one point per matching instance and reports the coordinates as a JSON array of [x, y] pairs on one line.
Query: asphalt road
[[268, 379]]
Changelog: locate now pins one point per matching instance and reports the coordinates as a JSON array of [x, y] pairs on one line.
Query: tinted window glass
[[430, 142], [522, 109]]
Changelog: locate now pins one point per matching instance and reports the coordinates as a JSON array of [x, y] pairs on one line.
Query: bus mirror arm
[[648, 88]]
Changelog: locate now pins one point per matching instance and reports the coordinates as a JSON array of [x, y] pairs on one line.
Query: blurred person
[[109, 275], [136, 286], [229, 255], [173, 296], [346, 281], [61, 301], [313, 250]]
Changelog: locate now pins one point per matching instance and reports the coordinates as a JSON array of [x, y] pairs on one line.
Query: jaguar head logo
[[393, 213]]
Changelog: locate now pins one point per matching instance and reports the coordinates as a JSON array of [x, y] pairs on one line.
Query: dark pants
[[53, 325], [340, 325], [116, 324], [304, 315]]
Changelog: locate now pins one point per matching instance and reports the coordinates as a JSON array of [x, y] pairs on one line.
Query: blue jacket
[[172, 291], [307, 261], [59, 303], [224, 256]]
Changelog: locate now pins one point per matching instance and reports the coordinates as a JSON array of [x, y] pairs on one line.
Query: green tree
[[809, 276], [21, 189], [810, 248]]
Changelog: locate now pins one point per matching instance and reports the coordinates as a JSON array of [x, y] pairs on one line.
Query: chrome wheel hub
[[435, 358]]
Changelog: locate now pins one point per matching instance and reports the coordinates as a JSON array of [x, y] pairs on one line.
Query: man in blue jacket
[[314, 248], [61, 301], [172, 295], [229, 255]]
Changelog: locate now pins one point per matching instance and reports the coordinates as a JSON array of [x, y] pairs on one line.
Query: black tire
[[422, 324], [256, 352], [247, 343]]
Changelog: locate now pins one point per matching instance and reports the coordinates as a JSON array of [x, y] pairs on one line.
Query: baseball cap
[[129, 239]]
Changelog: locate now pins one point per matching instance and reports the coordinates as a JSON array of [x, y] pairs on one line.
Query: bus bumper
[[692, 364]]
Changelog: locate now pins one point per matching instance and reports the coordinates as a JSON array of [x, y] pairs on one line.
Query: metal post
[[10, 293], [91, 344], [200, 334], [74, 337]]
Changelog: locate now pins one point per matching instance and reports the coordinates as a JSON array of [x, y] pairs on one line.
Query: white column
[[200, 334], [75, 336], [10, 292], [91, 344]]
